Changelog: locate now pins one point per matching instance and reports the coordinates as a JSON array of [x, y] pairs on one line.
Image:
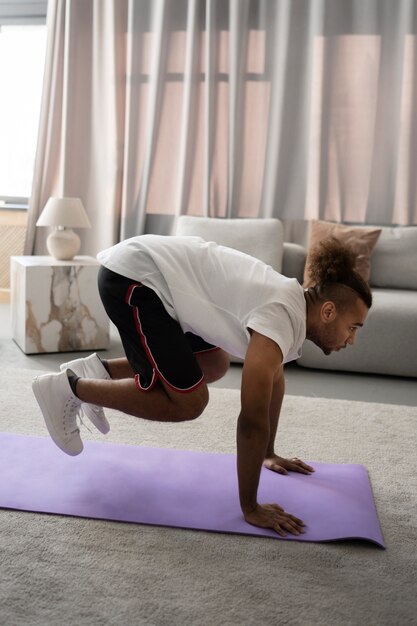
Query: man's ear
[[328, 311]]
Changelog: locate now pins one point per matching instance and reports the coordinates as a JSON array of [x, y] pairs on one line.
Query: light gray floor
[[299, 381]]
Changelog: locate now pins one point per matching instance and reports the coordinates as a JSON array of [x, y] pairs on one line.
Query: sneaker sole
[[102, 426], [36, 387]]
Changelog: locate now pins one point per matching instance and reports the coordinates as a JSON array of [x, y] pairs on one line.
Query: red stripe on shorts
[[156, 372]]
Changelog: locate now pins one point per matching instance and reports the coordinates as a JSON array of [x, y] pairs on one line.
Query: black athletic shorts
[[155, 344]]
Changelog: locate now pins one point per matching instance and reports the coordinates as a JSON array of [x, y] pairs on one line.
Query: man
[[181, 305]]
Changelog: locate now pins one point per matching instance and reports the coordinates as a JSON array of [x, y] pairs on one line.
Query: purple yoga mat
[[179, 488]]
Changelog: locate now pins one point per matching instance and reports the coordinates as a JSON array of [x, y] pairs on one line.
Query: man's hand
[[273, 516], [283, 466]]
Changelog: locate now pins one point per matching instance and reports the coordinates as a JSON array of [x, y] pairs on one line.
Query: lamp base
[[63, 244]]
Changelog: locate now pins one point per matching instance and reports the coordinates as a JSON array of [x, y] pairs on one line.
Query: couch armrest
[[293, 261]]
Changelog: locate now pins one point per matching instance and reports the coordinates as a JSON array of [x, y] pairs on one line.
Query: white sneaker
[[91, 367], [60, 409]]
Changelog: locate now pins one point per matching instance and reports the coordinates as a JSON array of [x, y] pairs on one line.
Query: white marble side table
[[55, 305]]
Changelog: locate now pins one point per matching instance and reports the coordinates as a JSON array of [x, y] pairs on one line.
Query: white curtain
[[297, 109]]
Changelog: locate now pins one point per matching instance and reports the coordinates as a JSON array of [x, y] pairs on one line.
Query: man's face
[[337, 330]]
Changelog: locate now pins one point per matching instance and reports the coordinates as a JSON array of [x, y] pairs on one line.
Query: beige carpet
[[57, 570]]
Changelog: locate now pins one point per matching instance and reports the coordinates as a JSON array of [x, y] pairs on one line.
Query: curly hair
[[332, 267]]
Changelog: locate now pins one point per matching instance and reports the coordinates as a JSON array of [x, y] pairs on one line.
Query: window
[[22, 57]]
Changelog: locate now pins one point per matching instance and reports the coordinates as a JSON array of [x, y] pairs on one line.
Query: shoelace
[[78, 416]]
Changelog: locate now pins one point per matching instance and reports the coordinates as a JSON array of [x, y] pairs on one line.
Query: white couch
[[388, 342]]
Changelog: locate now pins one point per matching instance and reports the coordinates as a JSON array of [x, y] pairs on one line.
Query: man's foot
[[91, 367], [60, 408]]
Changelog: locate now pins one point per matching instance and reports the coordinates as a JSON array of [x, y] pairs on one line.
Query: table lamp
[[64, 214]]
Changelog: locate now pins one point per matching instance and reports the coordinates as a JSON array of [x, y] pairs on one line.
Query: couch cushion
[[359, 239], [261, 238], [294, 260], [394, 259]]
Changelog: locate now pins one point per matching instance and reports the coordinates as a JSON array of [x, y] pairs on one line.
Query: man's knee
[[189, 406], [214, 364]]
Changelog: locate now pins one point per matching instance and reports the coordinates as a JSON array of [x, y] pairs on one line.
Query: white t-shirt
[[215, 292]]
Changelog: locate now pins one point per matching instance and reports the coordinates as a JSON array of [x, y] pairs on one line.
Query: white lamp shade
[[66, 212]]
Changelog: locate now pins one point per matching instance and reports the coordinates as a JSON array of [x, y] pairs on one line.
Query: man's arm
[[272, 460], [262, 364], [277, 396]]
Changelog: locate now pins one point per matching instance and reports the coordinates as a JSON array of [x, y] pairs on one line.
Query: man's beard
[[326, 351], [317, 340]]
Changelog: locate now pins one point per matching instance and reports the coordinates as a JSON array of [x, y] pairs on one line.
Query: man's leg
[[161, 403], [119, 368], [61, 396], [214, 364], [168, 383]]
